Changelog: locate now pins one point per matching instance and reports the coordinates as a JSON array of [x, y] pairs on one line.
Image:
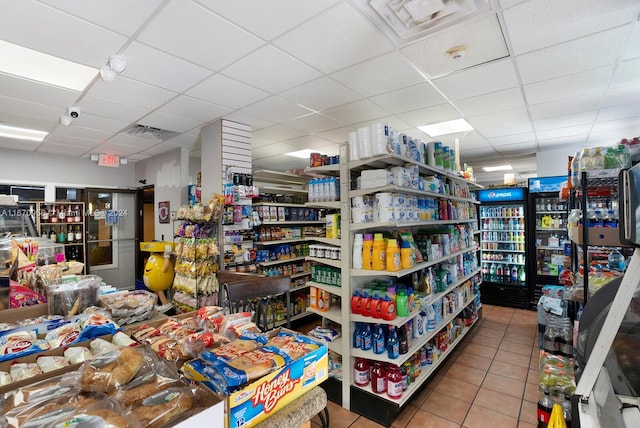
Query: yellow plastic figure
[[158, 271]]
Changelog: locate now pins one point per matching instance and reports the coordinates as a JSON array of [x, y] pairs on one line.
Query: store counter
[[300, 411]]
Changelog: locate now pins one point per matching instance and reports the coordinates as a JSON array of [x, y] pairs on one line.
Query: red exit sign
[[109, 160]]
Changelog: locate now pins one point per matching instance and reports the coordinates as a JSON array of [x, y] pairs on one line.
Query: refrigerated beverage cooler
[[503, 244], [550, 245]]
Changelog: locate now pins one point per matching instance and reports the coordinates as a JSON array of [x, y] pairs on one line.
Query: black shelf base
[[497, 294], [333, 388]]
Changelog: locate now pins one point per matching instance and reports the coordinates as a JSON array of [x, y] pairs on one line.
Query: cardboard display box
[[599, 236], [259, 399]]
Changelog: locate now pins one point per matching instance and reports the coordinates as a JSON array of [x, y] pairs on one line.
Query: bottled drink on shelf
[[585, 160], [514, 273], [78, 234], [522, 272], [611, 158], [499, 272], [493, 271], [70, 235], [77, 214], [545, 405], [53, 236], [597, 159], [361, 372], [378, 378], [622, 154], [394, 382]]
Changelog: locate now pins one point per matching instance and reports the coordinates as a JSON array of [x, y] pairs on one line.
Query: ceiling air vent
[[150, 132], [408, 20]]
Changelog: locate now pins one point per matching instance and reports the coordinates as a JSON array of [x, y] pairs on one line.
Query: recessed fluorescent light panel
[[497, 168], [34, 65], [448, 127], [302, 154], [22, 133]]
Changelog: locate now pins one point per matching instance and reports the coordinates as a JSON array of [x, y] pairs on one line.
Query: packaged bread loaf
[[163, 406], [111, 369]]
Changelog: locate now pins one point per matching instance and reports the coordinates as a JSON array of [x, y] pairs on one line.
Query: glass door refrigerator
[[550, 248], [503, 241]]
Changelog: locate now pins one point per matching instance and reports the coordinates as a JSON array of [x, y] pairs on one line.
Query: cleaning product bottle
[[357, 336], [358, 244], [365, 308], [367, 337], [401, 303], [378, 254], [361, 372], [376, 306], [378, 339], [367, 250], [356, 303], [388, 309], [393, 256], [406, 255], [393, 346]]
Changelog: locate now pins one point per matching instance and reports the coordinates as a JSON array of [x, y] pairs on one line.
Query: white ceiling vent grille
[[408, 20], [149, 132]]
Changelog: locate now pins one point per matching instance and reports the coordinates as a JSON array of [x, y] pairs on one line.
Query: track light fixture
[[117, 64]]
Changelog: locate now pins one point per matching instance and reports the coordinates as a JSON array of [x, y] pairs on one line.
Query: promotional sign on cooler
[[501, 195]]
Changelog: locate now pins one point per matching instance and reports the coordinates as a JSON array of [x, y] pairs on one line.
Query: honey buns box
[[257, 400]]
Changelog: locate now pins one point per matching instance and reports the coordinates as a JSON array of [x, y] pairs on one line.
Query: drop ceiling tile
[[18, 107], [632, 49], [315, 143], [276, 149], [339, 26], [157, 68], [393, 121], [497, 119], [494, 102], [429, 115], [569, 105], [184, 140], [255, 122], [504, 4], [112, 109], [139, 143], [561, 142], [627, 73], [588, 82], [276, 109], [116, 15], [79, 143], [518, 149], [625, 127], [479, 80], [619, 112], [587, 53], [276, 133], [225, 91], [10, 143], [193, 108], [278, 70], [381, 74], [27, 121], [63, 149], [622, 95], [358, 111], [337, 135], [613, 135], [564, 132], [129, 91], [42, 28], [567, 120], [481, 38], [169, 122], [192, 32], [100, 123], [513, 139], [314, 123], [478, 153], [510, 128], [41, 93], [159, 148], [321, 94], [267, 20], [555, 22], [77, 132], [410, 98]]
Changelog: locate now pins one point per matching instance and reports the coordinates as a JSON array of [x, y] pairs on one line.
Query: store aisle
[[490, 381]]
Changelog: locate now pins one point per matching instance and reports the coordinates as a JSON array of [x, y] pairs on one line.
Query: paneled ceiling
[[537, 75]]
